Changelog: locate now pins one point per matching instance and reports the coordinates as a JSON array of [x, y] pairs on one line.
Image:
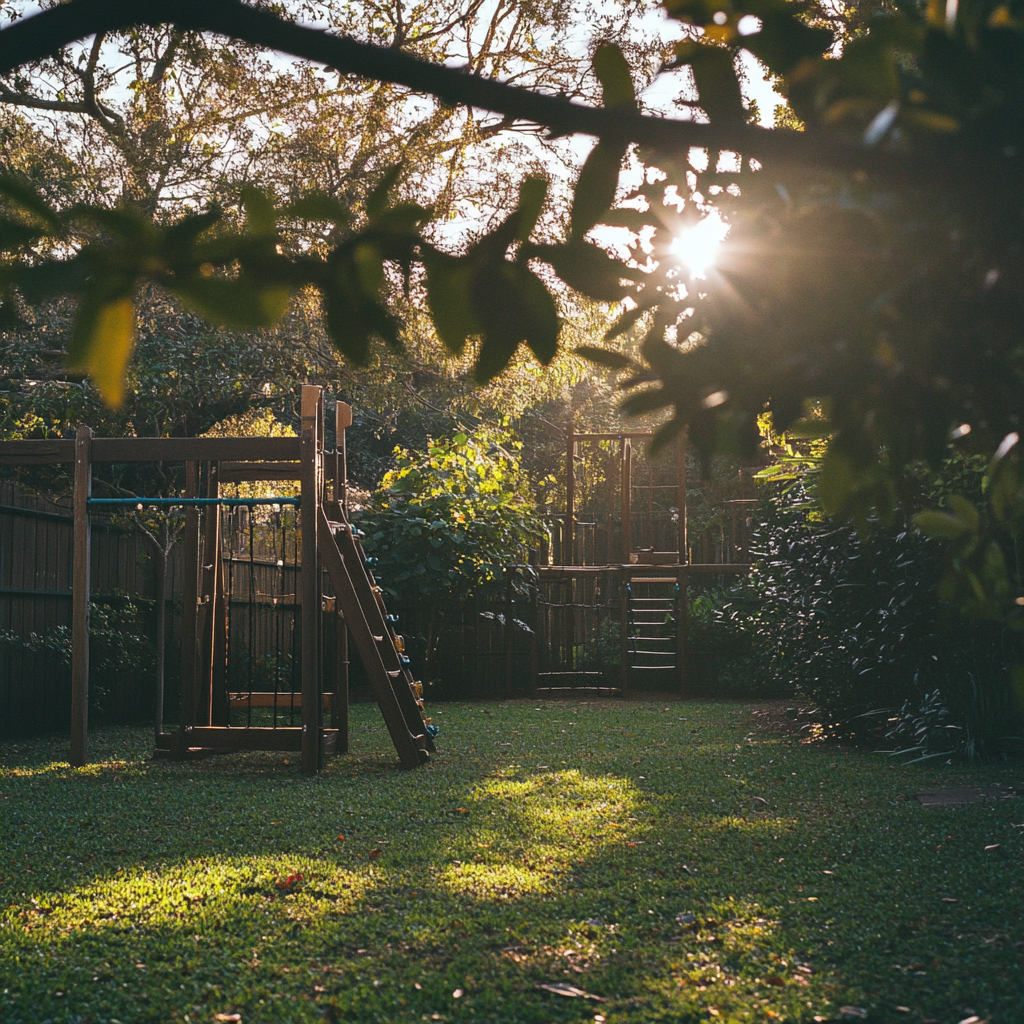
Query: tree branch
[[41, 35]]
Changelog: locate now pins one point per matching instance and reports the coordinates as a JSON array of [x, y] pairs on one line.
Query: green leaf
[[784, 41], [233, 302], [450, 301], [512, 305], [354, 314], [30, 201], [939, 524], [179, 238], [260, 216], [837, 482], [587, 268], [595, 189], [628, 319], [532, 193], [718, 87], [965, 511], [380, 198], [604, 356], [317, 206], [102, 342], [14, 234], [613, 73]]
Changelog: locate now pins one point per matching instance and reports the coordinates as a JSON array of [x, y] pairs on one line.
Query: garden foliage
[[853, 622], [445, 522]]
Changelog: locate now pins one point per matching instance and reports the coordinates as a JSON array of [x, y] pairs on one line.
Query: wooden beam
[[282, 738], [568, 547], [190, 606], [269, 699], [245, 472], [626, 500], [309, 514], [195, 449], [81, 567], [615, 437], [209, 600], [25, 453]]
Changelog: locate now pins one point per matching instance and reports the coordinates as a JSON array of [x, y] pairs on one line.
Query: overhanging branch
[[32, 39]]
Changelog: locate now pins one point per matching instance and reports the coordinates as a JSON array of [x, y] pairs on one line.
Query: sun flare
[[697, 247]]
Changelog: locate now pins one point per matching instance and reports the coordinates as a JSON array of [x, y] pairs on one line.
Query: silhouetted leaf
[[604, 356], [613, 73], [260, 216], [718, 87], [379, 199], [595, 189], [30, 201], [449, 298]]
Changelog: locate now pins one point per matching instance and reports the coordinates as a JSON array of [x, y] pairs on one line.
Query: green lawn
[[615, 847]]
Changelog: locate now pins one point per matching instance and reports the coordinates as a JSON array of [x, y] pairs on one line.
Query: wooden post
[[342, 421], [681, 496], [82, 558], [682, 627], [209, 603], [161, 629], [339, 704], [624, 624], [627, 501], [189, 612], [507, 638], [312, 701], [568, 545]]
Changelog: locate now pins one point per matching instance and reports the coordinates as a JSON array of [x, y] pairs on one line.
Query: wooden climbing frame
[[328, 544]]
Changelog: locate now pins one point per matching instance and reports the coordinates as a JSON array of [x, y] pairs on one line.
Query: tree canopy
[[873, 265]]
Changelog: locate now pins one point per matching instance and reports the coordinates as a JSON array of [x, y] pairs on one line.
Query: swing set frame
[[328, 545]]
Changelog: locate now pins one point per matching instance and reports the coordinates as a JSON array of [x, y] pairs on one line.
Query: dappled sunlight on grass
[[622, 851]]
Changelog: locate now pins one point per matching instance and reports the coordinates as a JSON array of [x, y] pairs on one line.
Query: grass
[[616, 847]]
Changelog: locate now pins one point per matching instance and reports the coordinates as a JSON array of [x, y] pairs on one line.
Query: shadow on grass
[[162, 891]]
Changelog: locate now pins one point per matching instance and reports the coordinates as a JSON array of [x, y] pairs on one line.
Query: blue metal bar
[[171, 502]]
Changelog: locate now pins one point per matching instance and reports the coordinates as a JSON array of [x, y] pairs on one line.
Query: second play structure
[[221, 707], [621, 562]]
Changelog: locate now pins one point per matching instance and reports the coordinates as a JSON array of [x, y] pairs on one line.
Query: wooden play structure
[[332, 578], [616, 576]]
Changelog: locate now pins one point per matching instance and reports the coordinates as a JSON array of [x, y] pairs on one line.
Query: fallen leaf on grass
[[759, 800], [994, 846], [949, 899], [774, 980], [228, 1016], [853, 1011], [458, 994], [561, 988], [375, 853], [975, 1019]]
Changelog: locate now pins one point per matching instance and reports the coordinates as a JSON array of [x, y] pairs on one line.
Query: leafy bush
[[445, 523], [444, 527], [118, 646], [855, 624]]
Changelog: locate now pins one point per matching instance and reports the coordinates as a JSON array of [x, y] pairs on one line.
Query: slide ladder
[[372, 632], [652, 637]]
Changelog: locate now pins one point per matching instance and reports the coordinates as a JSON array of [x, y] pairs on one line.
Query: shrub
[[854, 624]]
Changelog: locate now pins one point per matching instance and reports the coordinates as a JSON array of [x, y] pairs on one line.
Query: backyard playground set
[[328, 550], [274, 589]]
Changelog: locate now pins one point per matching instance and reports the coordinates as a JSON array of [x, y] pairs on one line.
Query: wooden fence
[[498, 646]]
